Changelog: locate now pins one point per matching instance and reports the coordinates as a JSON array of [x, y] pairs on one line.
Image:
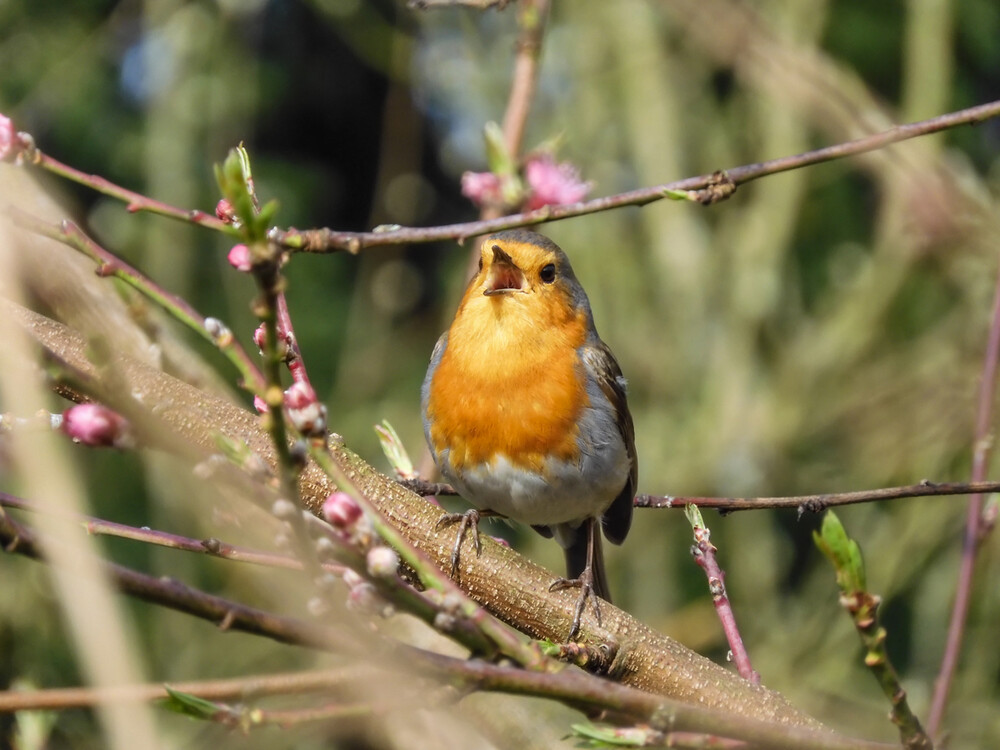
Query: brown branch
[[211, 546], [135, 202], [586, 692], [292, 683], [478, 4], [574, 688], [328, 240], [510, 586], [819, 502], [228, 615]]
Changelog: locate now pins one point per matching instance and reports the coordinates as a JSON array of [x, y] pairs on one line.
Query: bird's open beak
[[503, 277]]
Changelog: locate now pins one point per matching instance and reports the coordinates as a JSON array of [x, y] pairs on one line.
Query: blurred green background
[[821, 331]]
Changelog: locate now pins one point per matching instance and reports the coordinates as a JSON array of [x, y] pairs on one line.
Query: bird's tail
[[576, 557]]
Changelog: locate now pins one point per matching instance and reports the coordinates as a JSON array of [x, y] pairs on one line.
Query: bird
[[525, 410]]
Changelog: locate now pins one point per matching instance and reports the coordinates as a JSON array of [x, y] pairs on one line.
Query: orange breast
[[509, 382]]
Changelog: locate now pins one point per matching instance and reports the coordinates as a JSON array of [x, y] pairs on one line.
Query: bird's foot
[[586, 585], [467, 520]]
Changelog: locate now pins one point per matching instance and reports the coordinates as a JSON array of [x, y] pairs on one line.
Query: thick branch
[[577, 689], [510, 586]]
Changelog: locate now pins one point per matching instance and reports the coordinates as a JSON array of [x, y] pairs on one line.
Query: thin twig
[[210, 546], [135, 202], [328, 240], [228, 615], [241, 688], [971, 538], [818, 502], [108, 264], [704, 554], [478, 4], [815, 503], [286, 333], [863, 606]]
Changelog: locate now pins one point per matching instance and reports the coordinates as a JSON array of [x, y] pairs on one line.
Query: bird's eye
[[548, 273], [480, 263]]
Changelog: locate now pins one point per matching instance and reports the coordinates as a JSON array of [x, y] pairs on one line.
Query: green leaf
[[694, 516], [843, 552], [190, 705], [594, 736], [394, 450], [32, 729], [498, 158], [679, 195], [265, 219], [236, 181]]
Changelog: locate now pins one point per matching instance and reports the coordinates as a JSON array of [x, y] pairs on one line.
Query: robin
[[525, 411]]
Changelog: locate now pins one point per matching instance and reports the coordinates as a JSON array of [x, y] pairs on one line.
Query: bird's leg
[[468, 519], [585, 583]]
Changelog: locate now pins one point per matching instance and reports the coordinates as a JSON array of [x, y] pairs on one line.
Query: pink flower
[[224, 211], [341, 510], [240, 258], [481, 187], [260, 405], [93, 424], [553, 184], [8, 138]]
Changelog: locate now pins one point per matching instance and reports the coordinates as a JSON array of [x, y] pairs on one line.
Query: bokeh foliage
[[823, 330]]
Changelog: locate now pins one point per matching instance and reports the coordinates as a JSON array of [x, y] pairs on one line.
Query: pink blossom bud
[[305, 411], [300, 395], [259, 336], [260, 405], [224, 212], [481, 187], [553, 184], [240, 258], [341, 510], [8, 138], [382, 562], [93, 424], [501, 541]]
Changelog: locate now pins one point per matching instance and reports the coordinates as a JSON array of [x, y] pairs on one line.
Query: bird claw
[[468, 519], [586, 585]]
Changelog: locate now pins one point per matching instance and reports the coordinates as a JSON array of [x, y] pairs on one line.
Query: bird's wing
[[604, 367]]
